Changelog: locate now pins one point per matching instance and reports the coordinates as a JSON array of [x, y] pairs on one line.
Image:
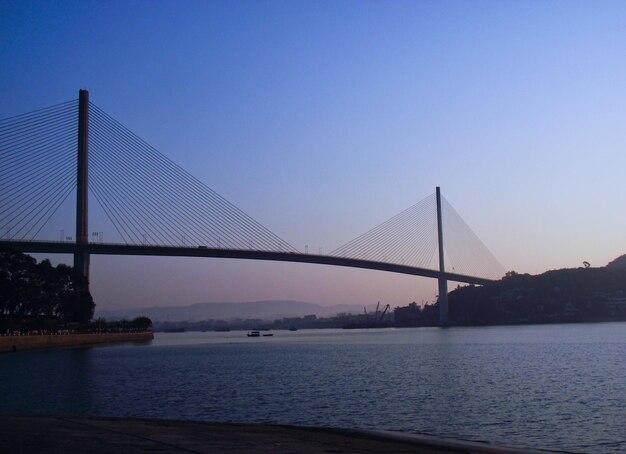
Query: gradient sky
[[323, 119]]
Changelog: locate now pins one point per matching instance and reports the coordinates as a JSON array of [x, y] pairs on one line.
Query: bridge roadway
[[57, 247]]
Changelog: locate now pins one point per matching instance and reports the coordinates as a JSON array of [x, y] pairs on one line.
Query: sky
[[324, 119]]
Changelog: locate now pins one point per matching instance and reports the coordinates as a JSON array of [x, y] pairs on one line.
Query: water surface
[[546, 386]]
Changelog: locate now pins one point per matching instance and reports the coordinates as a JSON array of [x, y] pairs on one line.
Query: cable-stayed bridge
[[75, 149]]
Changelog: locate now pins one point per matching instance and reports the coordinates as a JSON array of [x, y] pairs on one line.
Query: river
[[559, 387]]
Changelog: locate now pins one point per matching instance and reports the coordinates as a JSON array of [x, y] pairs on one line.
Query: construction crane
[[382, 315], [376, 313], [378, 320]]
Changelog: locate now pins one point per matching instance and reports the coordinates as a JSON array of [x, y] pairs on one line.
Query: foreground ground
[[49, 434]]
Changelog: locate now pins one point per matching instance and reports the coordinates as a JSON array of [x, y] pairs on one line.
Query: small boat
[[268, 334], [253, 334], [293, 328]]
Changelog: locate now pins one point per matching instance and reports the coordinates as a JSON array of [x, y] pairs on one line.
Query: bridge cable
[[130, 182], [256, 232], [37, 154], [224, 232]]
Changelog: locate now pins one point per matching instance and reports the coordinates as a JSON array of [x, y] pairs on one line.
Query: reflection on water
[[56, 381], [552, 386]]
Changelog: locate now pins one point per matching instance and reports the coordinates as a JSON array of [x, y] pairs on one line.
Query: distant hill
[[566, 295], [618, 264], [266, 310]]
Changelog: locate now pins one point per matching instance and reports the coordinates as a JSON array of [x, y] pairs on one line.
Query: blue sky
[[323, 119]]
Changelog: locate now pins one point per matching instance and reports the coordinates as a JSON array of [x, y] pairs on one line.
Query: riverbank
[[104, 435], [19, 343]]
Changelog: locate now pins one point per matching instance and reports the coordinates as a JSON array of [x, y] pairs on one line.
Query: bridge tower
[[443, 282], [81, 259]]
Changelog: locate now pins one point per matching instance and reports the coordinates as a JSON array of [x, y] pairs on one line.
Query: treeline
[[100, 325], [39, 290], [39, 297]]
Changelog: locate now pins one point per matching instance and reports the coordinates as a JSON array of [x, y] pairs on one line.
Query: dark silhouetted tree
[[31, 289], [142, 323]]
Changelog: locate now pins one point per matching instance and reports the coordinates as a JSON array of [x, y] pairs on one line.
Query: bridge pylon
[[81, 259], [442, 281]]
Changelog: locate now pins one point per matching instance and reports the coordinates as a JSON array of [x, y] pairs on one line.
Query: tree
[[76, 307], [31, 289], [142, 323], [16, 286]]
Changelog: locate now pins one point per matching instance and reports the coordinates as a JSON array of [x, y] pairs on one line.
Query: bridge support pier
[[443, 301], [443, 282], [81, 259]]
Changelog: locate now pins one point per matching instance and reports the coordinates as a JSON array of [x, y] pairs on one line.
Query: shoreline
[[32, 433], [185, 329], [46, 341]]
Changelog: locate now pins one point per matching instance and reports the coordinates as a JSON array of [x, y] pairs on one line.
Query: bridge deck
[[55, 247]]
